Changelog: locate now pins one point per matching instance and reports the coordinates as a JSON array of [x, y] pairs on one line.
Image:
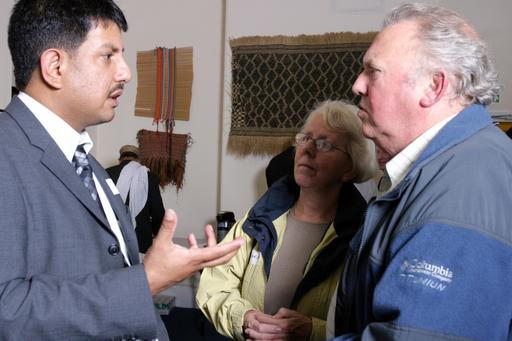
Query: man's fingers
[[215, 255], [168, 226], [192, 241], [210, 235], [219, 261]]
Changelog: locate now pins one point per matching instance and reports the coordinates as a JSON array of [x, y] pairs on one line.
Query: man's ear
[[51, 64], [437, 83]]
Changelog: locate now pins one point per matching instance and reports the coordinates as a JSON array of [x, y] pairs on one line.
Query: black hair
[[37, 25]]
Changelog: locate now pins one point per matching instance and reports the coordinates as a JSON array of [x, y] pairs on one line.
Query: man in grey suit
[[69, 265]]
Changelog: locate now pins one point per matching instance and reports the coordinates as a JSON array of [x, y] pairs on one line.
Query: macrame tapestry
[[164, 83], [276, 81], [164, 154]]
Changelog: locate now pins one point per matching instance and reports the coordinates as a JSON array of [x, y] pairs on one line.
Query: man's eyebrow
[[367, 61], [112, 47], [370, 63]]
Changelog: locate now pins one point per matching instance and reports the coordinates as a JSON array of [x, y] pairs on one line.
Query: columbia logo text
[[421, 272]]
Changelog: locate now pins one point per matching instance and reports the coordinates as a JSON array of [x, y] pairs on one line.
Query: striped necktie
[[84, 170]]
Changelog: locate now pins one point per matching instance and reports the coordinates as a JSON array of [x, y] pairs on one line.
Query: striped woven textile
[[164, 85]]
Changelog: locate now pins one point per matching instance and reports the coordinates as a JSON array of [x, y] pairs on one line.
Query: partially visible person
[[279, 284], [69, 265], [433, 258], [280, 165], [140, 191]]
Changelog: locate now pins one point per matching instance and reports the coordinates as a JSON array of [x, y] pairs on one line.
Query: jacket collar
[[259, 225], [280, 197], [464, 125], [460, 128]]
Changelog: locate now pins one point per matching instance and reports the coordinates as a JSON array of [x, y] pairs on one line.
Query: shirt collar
[[398, 167], [61, 132]]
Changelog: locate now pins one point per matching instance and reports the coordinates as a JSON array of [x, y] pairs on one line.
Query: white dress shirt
[[398, 166]]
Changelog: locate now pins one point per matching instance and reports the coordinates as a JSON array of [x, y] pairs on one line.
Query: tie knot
[[80, 160], [83, 169], [80, 148]]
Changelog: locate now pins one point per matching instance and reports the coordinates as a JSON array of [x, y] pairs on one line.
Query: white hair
[[449, 42]]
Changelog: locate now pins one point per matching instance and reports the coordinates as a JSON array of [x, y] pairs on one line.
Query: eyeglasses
[[322, 145]]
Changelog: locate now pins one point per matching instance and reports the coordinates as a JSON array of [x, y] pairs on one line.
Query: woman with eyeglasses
[[279, 284]]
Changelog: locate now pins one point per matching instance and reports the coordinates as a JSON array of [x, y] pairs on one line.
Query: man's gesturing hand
[[167, 263]]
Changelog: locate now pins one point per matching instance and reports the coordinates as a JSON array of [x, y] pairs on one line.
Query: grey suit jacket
[[61, 274]]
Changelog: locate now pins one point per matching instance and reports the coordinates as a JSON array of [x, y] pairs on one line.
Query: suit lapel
[[53, 158], [67, 175], [124, 220]]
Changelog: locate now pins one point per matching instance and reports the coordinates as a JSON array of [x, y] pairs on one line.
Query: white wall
[[214, 180]]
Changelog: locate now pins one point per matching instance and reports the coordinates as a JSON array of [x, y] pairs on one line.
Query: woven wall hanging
[[164, 91], [164, 83], [277, 80], [164, 154]]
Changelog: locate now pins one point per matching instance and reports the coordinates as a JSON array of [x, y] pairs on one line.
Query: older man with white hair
[[432, 260]]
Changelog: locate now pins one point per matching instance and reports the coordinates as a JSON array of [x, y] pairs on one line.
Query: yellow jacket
[[228, 291]]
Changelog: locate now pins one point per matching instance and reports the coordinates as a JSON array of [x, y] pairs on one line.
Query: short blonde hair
[[341, 117]]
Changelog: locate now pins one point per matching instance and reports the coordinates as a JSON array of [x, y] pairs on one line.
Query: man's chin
[[103, 119], [109, 115]]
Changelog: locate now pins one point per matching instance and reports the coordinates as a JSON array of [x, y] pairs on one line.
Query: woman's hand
[[285, 325]]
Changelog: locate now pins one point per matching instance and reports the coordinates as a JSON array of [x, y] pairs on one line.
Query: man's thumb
[[168, 226]]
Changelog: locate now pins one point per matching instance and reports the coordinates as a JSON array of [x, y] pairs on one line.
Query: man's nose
[[359, 86], [124, 73]]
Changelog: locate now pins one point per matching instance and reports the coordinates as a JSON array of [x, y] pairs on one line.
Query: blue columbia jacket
[[433, 260]]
